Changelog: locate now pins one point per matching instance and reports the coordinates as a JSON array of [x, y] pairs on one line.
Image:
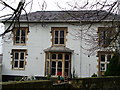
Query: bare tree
[[103, 10], [14, 17]]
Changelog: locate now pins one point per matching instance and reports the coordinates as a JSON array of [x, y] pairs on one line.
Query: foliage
[[58, 77], [48, 77], [114, 66], [17, 78]]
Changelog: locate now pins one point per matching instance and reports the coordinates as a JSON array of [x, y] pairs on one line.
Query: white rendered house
[[46, 45]]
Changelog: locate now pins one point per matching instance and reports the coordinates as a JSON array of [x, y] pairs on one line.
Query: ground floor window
[[58, 64], [104, 58], [18, 59]]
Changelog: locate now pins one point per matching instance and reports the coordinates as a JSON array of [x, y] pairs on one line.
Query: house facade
[[48, 44]]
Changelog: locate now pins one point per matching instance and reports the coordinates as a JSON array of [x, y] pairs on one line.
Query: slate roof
[[58, 49], [66, 16]]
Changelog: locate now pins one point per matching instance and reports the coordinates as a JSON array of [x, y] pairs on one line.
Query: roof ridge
[[69, 15]]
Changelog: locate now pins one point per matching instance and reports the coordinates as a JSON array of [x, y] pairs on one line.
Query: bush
[[58, 77], [114, 66], [48, 77]]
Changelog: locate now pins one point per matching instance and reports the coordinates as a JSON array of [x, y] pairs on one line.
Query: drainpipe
[[81, 49], [118, 5], [118, 26]]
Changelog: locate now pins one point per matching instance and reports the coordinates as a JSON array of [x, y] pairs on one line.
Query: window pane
[[59, 56], [102, 67], [53, 56], [61, 34], [16, 55], [21, 64], [53, 71], [22, 39], [66, 64], [21, 55], [17, 39], [23, 33], [15, 63], [104, 35], [61, 40], [59, 70], [56, 41], [17, 33], [108, 57], [56, 34], [22, 36], [102, 58], [66, 56], [53, 64], [59, 64]]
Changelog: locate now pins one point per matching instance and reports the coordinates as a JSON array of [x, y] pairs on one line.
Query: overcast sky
[[51, 4]]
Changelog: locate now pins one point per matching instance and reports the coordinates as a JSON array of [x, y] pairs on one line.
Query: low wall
[[26, 85], [103, 83], [112, 83]]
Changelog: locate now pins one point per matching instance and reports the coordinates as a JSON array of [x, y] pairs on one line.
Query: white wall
[[39, 38]]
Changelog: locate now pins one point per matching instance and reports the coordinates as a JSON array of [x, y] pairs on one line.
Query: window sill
[[19, 44], [18, 68]]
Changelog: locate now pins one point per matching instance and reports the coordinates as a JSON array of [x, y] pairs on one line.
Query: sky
[[49, 5]]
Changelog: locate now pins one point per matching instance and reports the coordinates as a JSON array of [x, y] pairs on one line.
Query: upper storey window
[[106, 35], [20, 36], [59, 36]]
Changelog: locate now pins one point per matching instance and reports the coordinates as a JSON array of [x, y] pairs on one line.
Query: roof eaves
[[60, 21]]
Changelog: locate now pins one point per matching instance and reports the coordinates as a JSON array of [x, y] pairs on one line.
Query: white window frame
[[105, 62], [59, 29], [20, 41], [19, 59], [59, 37]]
